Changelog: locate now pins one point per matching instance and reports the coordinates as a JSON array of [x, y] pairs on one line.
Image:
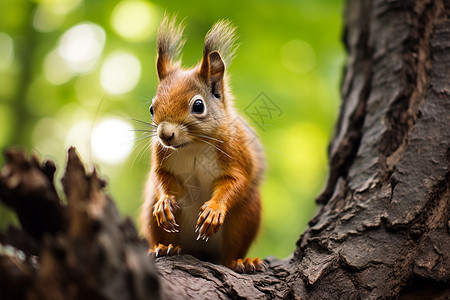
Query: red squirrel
[[202, 196]]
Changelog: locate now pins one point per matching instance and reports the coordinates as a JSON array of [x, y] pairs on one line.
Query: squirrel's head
[[191, 104]]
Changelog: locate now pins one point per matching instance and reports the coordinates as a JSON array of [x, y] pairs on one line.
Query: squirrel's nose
[[167, 132], [167, 136]]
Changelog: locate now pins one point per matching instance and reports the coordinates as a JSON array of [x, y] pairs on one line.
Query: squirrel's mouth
[[168, 145], [180, 145]]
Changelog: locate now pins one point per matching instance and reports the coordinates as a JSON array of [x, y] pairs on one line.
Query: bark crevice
[[355, 91]]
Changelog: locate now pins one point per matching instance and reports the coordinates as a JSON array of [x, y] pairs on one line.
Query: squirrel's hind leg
[[248, 265], [237, 241]]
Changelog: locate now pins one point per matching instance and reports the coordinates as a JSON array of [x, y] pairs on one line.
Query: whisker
[[142, 151], [141, 130], [162, 148], [201, 121], [173, 152], [195, 122], [142, 122], [165, 152], [142, 97], [145, 92], [153, 140], [183, 120], [145, 137], [140, 154], [215, 147], [205, 136], [166, 156], [150, 144], [191, 123], [274, 150]]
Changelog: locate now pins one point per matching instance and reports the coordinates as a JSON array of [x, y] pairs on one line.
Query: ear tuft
[[218, 51], [169, 44], [221, 38]]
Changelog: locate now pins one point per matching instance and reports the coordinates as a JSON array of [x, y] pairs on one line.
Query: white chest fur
[[197, 164], [197, 167]]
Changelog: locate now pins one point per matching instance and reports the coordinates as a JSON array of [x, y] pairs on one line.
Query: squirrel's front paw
[[164, 210], [210, 219]]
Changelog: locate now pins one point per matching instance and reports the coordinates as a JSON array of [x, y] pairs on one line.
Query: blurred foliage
[[58, 80]]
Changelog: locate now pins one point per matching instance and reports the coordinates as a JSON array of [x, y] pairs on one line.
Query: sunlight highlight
[[56, 70], [120, 73], [112, 141], [6, 51], [50, 14], [81, 46], [135, 20]]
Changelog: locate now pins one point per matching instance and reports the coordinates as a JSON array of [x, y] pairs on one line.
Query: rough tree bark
[[383, 223]]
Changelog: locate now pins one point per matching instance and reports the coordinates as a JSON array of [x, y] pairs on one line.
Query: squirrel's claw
[[161, 250], [210, 219], [163, 211], [248, 265]]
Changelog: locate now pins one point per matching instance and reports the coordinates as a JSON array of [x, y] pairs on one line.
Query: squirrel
[[202, 195]]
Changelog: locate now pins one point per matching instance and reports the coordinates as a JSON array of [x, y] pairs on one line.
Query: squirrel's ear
[[212, 71], [163, 65]]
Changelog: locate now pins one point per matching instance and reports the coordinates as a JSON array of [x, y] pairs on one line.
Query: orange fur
[[228, 207]]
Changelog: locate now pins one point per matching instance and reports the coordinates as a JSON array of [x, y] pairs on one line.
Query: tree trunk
[[383, 223]]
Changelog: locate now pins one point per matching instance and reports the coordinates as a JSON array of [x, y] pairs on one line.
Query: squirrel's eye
[[151, 109], [198, 107]]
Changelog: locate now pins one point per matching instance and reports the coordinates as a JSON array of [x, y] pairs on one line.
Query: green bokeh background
[[290, 50]]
